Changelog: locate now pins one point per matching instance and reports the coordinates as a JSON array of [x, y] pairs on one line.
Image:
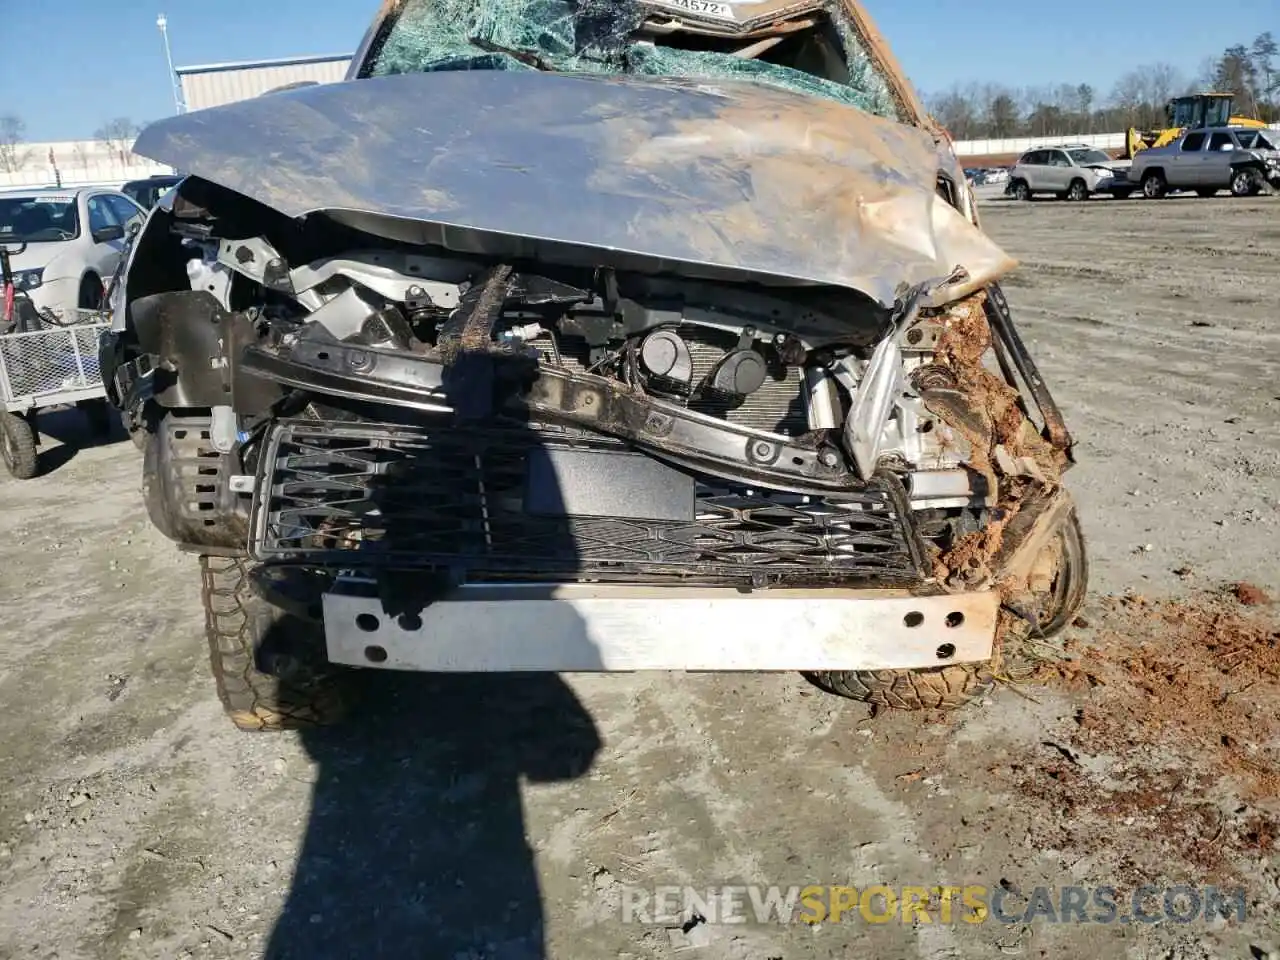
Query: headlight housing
[[28, 279], [1102, 173]]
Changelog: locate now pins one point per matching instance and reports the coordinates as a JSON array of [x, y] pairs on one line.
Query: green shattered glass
[[597, 36]]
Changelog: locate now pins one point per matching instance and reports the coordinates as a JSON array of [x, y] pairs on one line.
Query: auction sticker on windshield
[[703, 8]]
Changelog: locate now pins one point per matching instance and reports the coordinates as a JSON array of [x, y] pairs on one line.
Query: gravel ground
[[512, 817]]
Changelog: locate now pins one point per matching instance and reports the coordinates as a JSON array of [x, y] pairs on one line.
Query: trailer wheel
[[269, 666], [945, 688], [18, 446]]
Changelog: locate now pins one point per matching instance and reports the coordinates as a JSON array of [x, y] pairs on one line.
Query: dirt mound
[[1249, 594], [1177, 736]]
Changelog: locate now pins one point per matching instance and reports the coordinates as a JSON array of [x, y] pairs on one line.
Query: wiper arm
[[527, 57]]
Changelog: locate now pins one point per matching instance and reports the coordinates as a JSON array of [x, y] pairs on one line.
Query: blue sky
[[66, 66]]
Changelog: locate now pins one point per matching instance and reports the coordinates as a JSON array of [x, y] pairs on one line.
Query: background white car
[[1073, 171], [74, 240]]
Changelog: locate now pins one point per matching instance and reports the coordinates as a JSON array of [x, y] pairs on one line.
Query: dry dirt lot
[[469, 818]]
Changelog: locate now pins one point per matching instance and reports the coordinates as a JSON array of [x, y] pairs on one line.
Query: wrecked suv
[[569, 336]]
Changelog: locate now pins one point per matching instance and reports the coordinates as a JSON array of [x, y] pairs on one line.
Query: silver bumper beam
[[585, 627]]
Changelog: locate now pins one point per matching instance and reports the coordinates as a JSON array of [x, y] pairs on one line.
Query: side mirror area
[[107, 234]]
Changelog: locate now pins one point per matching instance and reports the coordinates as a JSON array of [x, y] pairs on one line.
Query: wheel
[[1021, 191], [18, 446], [1077, 191], [98, 413], [1245, 182], [269, 666], [946, 688], [1154, 186], [1206, 192]]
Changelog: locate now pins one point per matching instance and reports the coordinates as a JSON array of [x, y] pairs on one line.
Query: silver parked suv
[[1070, 172], [1239, 159]]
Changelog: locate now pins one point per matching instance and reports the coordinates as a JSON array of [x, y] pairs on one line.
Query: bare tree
[[1127, 97], [119, 135], [1236, 75], [1165, 81], [1264, 51], [1003, 116], [1084, 106], [13, 156], [80, 154], [957, 111]]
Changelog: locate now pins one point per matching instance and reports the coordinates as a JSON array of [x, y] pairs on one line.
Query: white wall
[[80, 162], [986, 148]]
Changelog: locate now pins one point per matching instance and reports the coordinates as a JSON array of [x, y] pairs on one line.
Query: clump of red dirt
[[1180, 703], [1249, 594]]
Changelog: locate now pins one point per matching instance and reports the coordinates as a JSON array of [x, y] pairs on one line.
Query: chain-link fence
[[41, 365]]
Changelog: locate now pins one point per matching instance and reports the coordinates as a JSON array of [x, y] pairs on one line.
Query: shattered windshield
[[1090, 156], [817, 53]]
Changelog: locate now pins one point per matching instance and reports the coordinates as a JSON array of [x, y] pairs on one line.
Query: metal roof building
[[211, 85]]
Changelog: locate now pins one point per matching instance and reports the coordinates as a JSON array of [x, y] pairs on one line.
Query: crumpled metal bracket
[[1009, 342], [882, 381]]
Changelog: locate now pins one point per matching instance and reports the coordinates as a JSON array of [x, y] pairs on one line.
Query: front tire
[[1078, 191], [1245, 183], [958, 684], [268, 665], [18, 446], [1021, 191], [1154, 185]]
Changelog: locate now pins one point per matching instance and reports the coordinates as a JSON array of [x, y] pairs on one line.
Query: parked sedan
[[70, 242], [1240, 159]]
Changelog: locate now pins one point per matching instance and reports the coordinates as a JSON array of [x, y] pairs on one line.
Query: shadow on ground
[[74, 430], [416, 844]]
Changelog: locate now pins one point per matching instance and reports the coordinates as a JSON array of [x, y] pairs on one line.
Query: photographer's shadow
[[416, 846]]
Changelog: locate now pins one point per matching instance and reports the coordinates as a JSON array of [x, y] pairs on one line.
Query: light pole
[[163, 23]]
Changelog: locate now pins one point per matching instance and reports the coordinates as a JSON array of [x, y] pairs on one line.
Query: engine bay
[[798, 387]]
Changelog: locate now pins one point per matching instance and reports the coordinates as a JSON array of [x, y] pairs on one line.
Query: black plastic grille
[[356, 494]]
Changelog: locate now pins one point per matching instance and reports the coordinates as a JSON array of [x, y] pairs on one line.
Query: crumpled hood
[[730, 176]]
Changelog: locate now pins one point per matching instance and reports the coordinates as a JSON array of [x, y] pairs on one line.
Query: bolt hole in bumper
[[594, 627]]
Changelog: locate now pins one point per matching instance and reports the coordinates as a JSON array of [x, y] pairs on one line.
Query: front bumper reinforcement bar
[[594, 627]]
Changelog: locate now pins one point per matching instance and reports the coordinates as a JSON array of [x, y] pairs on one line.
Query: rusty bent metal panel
[[720, 178]]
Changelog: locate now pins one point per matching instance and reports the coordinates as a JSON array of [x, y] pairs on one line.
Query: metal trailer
[[56, 366]]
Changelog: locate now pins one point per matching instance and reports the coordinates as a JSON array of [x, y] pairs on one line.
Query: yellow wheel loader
[[1190, 112]]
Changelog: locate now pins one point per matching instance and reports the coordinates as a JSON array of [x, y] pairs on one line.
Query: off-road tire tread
[[26, 464], [955, 685], [235, 619], [939, 688]]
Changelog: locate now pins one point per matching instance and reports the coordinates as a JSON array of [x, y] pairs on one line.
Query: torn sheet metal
[[728, 177]]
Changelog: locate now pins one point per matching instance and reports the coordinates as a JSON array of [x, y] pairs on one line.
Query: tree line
[[980, 111], [118, 133]]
